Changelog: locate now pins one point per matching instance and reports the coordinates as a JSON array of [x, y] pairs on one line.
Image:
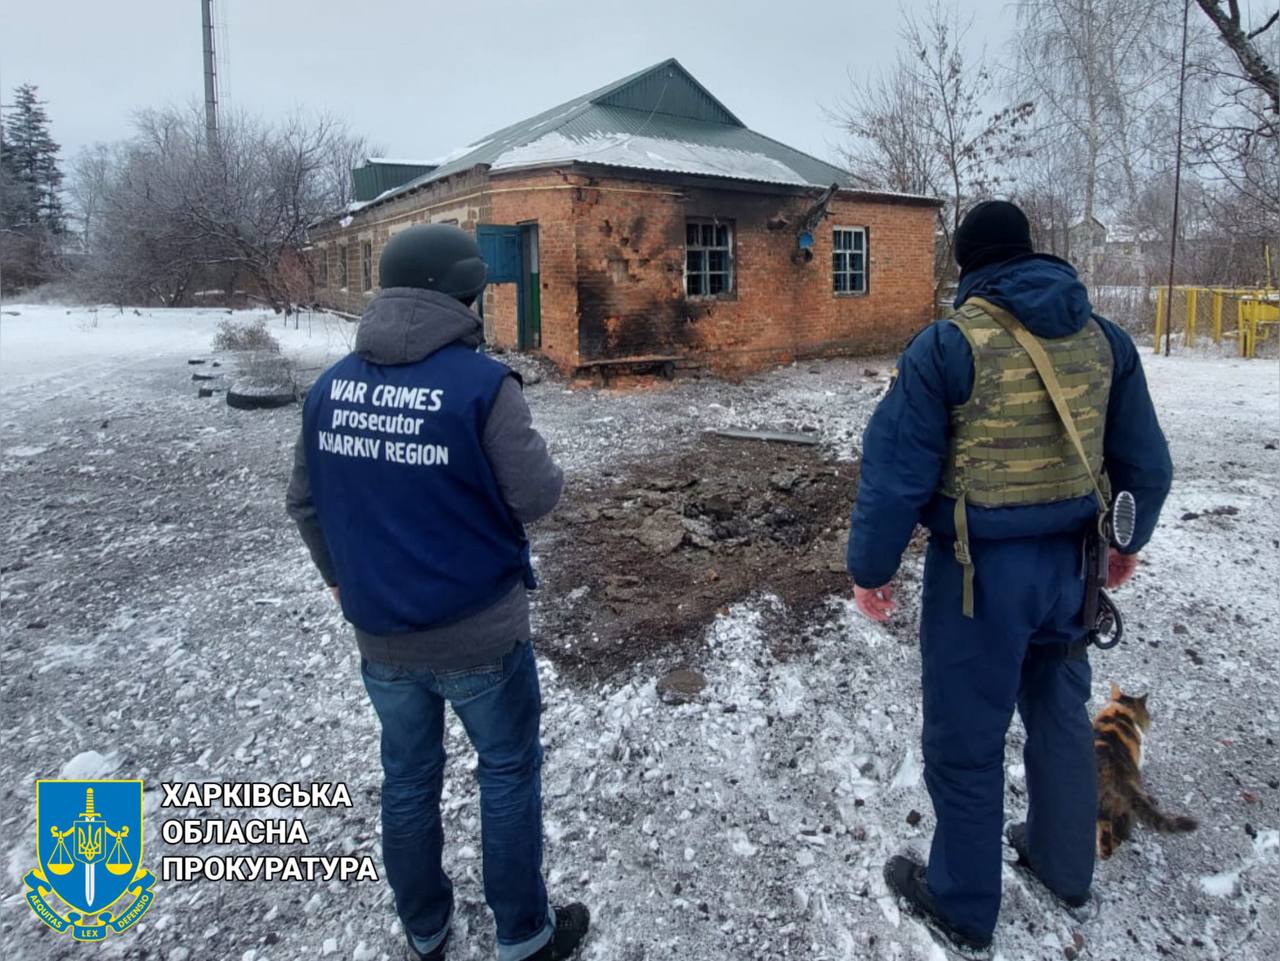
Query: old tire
[[253, 397]]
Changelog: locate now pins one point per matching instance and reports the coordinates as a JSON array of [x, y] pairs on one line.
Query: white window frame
[[322, 275], [366, 266], [705, 273], [344, 267], [859, 234]]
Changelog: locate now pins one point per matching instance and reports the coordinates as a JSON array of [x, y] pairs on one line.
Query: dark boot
[[436, 954], [572, 922], [1016, 835], [906, 879]]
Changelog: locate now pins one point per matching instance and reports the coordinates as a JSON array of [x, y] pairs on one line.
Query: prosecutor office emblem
[[89, 845]]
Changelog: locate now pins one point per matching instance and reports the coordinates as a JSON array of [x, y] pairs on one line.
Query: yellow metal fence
[[1243, 313]]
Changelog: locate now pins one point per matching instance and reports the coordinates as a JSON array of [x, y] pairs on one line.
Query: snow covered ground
[[160, 620]]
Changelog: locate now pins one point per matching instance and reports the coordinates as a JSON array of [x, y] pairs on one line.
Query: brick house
[[645, 225]]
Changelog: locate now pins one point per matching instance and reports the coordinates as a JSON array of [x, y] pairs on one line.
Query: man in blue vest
[[970, 442], [416, 470]]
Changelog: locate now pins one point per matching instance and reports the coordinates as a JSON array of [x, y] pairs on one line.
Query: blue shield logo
[[89, 845]]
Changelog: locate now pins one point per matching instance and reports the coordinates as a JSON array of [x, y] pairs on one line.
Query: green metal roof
[[376, 176], [653, 90], [660, 118]]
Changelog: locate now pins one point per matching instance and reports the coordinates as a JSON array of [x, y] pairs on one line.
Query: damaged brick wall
[[612, 261], [631, 257]]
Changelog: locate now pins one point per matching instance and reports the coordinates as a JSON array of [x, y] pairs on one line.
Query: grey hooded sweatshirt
[[403, 325]]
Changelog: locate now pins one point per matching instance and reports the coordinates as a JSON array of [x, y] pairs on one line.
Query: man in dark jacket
[[968, 443], [416, 469]]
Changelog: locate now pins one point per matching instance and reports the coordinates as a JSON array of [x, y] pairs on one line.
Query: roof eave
[[890, 196], [853, 193], [648, 173]]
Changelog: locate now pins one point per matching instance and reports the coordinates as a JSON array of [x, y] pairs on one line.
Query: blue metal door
[[500, 248]]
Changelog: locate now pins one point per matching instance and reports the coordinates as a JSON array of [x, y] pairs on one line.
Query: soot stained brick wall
[[631, 259]]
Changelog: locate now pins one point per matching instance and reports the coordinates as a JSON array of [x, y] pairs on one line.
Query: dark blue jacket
[[413, 516], [905, 444]]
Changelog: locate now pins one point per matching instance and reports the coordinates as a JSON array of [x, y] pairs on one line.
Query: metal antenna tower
[[210, 79]]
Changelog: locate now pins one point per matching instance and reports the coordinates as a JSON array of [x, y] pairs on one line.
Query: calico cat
[[1117, 742]]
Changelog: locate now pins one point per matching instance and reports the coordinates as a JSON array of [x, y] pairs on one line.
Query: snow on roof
[[457, 153], [400, 162], [659, 119], [561, 115], [649, 153]]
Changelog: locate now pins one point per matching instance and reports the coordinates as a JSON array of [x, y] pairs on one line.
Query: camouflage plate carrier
[[1033, 401]]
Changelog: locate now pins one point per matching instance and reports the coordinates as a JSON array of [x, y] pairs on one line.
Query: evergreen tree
[[32, 176], [17, 204]]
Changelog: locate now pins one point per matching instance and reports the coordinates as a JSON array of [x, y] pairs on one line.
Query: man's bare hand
[[1120, 568], [334, 591], [875, 602]]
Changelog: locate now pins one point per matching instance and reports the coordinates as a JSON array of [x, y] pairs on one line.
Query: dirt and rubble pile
[[645, 559]]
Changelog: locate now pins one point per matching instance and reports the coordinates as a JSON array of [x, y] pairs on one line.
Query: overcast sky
[[420, 78]]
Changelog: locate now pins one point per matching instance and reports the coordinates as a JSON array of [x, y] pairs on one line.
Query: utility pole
[[1177, 190], [210, 85]]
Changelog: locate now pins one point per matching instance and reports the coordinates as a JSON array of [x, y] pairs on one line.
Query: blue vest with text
[[411, 511]]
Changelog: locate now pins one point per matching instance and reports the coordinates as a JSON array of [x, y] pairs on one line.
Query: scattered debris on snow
[[749, 822], [1220, 885]]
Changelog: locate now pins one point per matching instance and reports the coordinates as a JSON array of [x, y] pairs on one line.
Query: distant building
[[1085, 236], [645, 224], [1130, 255]]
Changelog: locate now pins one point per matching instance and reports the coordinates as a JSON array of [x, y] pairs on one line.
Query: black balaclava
[[991, 233], [438, 257]]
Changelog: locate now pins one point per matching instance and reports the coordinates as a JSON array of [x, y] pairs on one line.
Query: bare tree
[[1235, 143], [90, 174], [888, 148], [1091, 67], [1048, 190], [925, 126], [347, 151], [141, 248], [1104, 75], [973, 143], [253, 199], [175, 212], [1240, 40]]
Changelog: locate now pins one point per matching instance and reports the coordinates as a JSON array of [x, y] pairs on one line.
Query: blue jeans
[[500, 706], [1028, 592]]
